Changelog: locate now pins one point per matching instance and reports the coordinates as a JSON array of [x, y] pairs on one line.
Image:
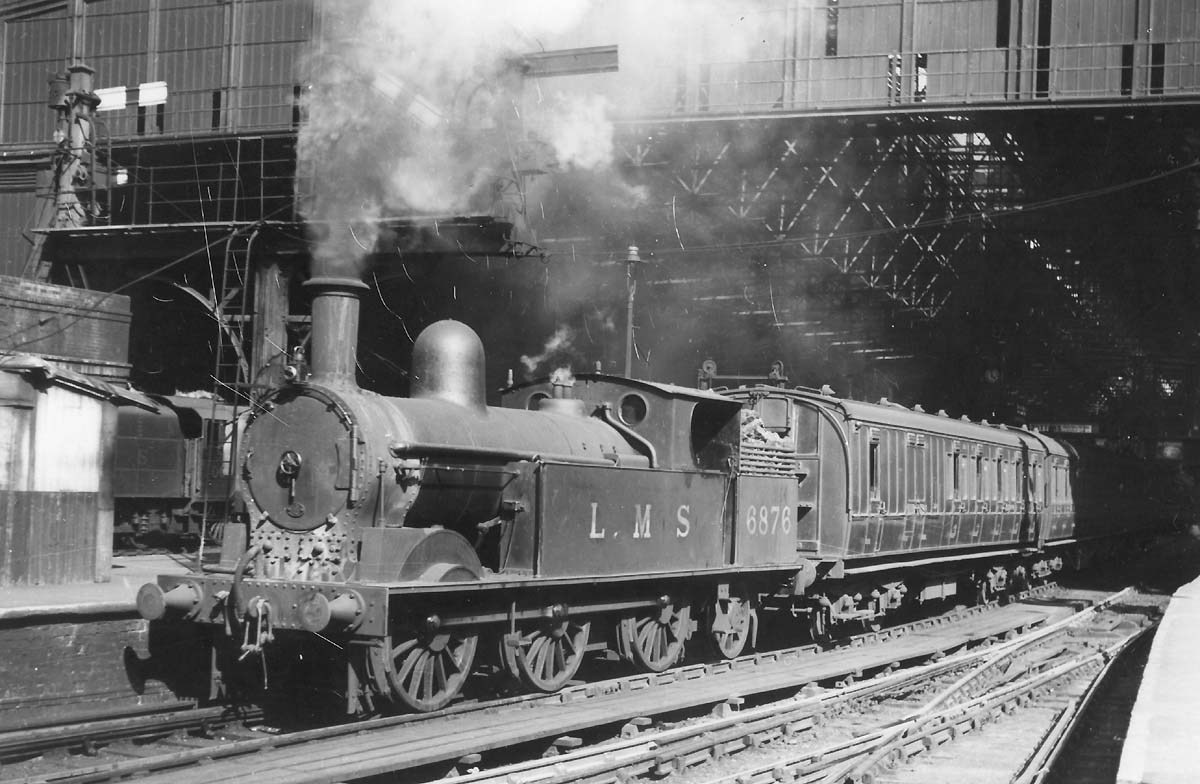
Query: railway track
[[51, 745], [994, 714], [471, 732]]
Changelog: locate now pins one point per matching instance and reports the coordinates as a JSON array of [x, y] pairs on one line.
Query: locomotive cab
[[673, 427], [789, 478]]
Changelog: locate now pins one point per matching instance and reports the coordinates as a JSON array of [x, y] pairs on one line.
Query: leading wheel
[[728, 625], [548, 654], [424, 671], [653, 641]]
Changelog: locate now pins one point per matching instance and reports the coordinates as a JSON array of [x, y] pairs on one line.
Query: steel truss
[[930, 215], [895, 205]]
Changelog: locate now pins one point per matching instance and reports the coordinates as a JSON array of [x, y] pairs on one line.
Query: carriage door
[[1037, 498], [915, 491], [1031, 495], [876, 501]]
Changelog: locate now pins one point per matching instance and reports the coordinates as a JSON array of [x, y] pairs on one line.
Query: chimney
[[336, 288]]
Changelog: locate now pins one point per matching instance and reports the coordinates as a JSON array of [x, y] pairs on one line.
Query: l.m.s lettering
[[642, 520]]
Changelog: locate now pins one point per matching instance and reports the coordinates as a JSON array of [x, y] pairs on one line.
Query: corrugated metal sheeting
[[234, 66], [193, 61], [822, 54], [50, 492], [57, 431], [228, 66], [44, 537], [19, 209], [275, 37], [34, 47]]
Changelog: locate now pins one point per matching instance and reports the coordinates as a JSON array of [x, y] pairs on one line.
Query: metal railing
[[984, 76]]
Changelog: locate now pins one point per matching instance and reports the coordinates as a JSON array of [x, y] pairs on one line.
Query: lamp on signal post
[[631, 258]]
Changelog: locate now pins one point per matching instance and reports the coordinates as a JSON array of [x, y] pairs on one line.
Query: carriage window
[[873, 469], [979, 491], [956, 480]]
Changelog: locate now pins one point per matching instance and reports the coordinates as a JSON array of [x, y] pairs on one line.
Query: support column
[[106, 503], [268, 346]]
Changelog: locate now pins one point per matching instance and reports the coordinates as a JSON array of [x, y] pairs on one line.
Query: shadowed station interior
[[442, 346]]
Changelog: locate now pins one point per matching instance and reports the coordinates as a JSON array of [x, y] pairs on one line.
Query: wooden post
[[268, 349]]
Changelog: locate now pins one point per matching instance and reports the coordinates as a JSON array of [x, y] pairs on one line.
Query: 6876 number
[[766, 520]]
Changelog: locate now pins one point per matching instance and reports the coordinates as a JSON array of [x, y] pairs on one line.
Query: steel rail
[[730, 731], [1051, 745], [928, 728], [782, 663], [90, 735]]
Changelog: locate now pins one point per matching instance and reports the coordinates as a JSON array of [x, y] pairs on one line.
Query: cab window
[[776, 415]]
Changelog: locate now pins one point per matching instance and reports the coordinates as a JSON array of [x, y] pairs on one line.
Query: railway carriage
[[902, 505]]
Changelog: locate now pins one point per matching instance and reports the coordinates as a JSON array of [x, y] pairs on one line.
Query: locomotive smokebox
[[448, 364]]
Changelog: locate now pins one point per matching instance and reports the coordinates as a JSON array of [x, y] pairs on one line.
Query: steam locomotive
[[598, 512]]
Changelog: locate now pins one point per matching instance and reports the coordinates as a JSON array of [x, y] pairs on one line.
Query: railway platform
[[1160, 745], [91, 598], [80, 650]]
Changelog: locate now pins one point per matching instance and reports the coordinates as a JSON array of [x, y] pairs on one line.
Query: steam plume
[[559, 343], [413, 108]]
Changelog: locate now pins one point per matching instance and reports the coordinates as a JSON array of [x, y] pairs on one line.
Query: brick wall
[[84, 330], [59, 666]]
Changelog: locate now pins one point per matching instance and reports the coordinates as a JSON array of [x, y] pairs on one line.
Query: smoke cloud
[[418, 108], [558, 345], [414, 109], [421, 108]]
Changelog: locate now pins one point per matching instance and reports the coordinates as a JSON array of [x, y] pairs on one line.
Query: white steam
[[579, 130], [420, 107], [558, 343], [415, 107]]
